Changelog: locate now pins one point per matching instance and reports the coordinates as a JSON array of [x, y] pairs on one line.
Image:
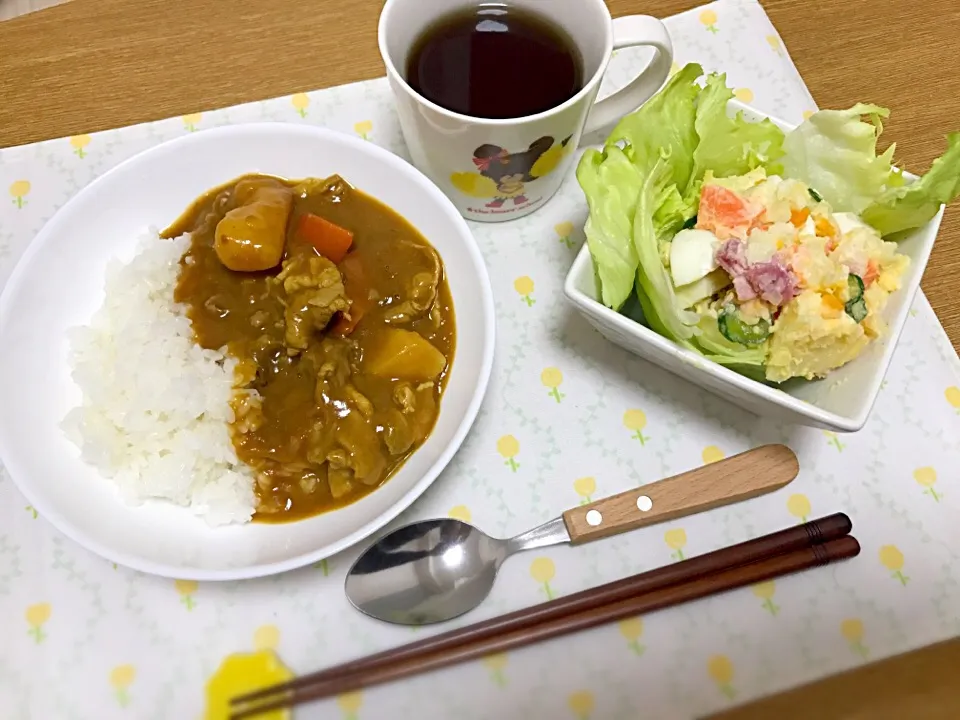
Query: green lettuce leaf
[[671, 211], [611, 184], [835, 153], [660, 213], [753, 370], [731, 146], [910, 206], [664, 126], [611, 179]]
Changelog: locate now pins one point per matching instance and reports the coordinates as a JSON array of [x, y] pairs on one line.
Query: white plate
[[842, 401], [58, 284]]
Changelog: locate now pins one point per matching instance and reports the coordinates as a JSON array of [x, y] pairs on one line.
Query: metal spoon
[[435, 570]]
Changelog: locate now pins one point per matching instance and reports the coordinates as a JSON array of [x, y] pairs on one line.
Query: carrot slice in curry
[[358, 292], [327, 238]]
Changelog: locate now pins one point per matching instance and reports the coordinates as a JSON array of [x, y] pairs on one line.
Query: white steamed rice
[[156, 406]]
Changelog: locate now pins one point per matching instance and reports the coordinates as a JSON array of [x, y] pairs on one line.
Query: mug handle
[[632, 31]]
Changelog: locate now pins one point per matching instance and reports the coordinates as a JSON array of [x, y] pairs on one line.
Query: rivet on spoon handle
[[741, 477]]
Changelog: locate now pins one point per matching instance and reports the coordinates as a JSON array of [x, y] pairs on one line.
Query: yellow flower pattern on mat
[[585, 487], [551, 378], [711, 454], [37, 616], [744, 95], [460, 512], [720, 670], [496, 664], [241, 673], [926, 477], [676, 539], [19, 189], [79, 143], [32, 510], [509, 447], [635, 421], [765, 591], [350, 703], [632, 630], [952, 394], [121, 678], [564, 230], [191, 121], [363, 128], [852, 631], [266, 637], [543, 570], [834, 440], [892, 559], [799, 506], [524, 287], [708, 18], [186, 589], [581, 703], [774, 42], [300, 102]]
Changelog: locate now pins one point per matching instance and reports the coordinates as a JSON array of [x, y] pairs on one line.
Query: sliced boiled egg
[[692, 255], [711, 283], [847, 221]]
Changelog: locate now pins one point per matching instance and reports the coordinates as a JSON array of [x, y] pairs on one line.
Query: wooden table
[[96, 64]]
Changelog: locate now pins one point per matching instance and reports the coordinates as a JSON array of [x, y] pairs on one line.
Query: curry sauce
[[342, 360]]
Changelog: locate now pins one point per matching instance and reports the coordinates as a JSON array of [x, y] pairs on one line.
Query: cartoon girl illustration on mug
[[501, 175]]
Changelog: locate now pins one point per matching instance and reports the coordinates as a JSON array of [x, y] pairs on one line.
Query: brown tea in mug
[[495, 61]]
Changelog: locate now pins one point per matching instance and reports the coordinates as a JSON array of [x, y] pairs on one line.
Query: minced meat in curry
[[340, 316]]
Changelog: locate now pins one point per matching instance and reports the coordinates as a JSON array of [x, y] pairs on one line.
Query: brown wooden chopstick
[[720, 581], [780, 542], [567, 614]]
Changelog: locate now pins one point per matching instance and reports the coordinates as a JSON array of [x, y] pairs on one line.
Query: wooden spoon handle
[[741, 477]]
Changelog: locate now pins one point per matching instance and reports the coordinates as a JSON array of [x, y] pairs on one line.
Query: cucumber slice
[[734, 329], [690, 223], [814, 194], [857, 310], [854, 287], [855, 306]]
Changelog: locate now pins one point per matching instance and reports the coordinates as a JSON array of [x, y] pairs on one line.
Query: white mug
[[534, 152]]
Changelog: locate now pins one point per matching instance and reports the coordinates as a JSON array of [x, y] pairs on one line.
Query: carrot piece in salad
[[832, 305], [825, 227], [799, 217], [721, 207], [327, 238]]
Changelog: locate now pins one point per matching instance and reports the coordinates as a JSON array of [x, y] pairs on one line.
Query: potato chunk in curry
[[252, 235], [404, 355], [343, 359]]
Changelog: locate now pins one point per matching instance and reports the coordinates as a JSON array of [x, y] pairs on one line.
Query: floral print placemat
[[568, 418]]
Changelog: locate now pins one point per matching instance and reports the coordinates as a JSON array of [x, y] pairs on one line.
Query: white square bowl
[[842, 401]]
